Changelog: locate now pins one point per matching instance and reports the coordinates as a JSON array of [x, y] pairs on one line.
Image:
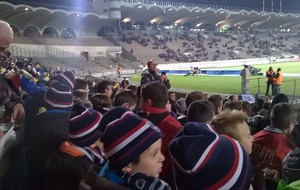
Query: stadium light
[[26, 8], [197, 11], [140, 6]]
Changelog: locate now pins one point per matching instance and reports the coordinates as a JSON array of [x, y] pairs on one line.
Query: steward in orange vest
[[277, 81], [269, 74]]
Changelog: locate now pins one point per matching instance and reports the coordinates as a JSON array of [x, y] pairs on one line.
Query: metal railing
[[290, 87]]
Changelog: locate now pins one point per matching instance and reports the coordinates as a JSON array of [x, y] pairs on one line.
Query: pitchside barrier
[[184, 68]]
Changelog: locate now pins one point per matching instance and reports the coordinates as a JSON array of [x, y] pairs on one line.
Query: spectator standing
[[151, 74], [154, 98], [8, 97], [271, 145]]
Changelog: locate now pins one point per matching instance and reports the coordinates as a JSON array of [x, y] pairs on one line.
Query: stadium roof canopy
[[197, 15], [24, 17]]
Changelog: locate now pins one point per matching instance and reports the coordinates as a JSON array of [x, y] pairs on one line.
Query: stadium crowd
[[82, 135], [212, 46]]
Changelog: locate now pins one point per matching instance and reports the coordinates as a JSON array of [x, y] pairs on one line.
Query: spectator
[[172, 101], [130, 134], [71, 164], [101, 102], [154, 98], [126, 98], [190, 98], [8, 97], [201, 111], [233, 98], [233, 123], [124, 83], [199, 170], [290, 171], [151, 74], [216, 99], [81, 91], [271, 145], [105, 87]]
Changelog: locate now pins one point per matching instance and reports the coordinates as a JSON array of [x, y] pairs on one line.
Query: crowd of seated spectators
[[75, 133], [217, 46]]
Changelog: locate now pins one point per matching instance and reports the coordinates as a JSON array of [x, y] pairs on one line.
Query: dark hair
[[132, 87], [279, 98], [193, 96], [200, 111], [282, 114], [102, 86], [100, 100], [233, 106], [216, 100], [125, 96], [157, 92], [80, 84]]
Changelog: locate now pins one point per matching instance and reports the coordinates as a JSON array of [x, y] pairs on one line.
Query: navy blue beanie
[[205, 160]]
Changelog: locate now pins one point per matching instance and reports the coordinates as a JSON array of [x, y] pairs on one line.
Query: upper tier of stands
[[196, 47]]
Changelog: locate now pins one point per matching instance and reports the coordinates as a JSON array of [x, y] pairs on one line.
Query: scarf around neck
[[139, 181]]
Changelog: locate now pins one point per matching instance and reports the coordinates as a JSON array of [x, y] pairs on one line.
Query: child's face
[[245, 137], [151, 161]]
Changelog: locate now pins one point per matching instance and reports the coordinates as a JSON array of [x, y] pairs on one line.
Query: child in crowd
[[271, 145], [71, 164], [126, 98], [133, 148], [101, 102], [202, 159], [201, 111], [233, 123], [290, 171]]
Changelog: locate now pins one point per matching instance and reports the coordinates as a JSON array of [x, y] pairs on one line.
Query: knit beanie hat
[[59, 97], [84, 125], [205, 160], [126, 136], [66, 78]]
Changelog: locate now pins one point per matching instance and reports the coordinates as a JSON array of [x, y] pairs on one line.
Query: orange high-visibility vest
[[278, 81], [270, 73]]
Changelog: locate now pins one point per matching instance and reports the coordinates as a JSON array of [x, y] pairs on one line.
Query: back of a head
[[233, 166], [102, 85], [81, 84], [227, 122], [233, 105], [200, 111], [125, 96], [193, 96], [279, 98], [156, 92], [291, 166], [282, 115], [100, 100]]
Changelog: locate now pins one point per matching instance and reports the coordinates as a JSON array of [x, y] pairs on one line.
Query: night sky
[[292, 5]]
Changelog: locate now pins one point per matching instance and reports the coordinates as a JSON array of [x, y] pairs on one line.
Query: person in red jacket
[[154, 98], [271, 145]]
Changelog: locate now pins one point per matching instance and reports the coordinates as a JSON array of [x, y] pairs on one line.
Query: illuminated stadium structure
[[110, 15]]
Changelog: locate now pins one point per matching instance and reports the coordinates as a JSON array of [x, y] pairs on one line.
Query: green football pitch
[[232, 84]]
